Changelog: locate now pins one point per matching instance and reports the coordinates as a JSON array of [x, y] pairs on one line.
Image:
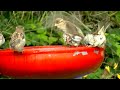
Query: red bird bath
[[50, 62]]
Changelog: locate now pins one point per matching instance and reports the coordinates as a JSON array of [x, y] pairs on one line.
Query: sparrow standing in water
[[17, 41], [71, 33]]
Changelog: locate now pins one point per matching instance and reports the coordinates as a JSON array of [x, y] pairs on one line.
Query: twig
[[113, 14], [80, 22], [23, 13]]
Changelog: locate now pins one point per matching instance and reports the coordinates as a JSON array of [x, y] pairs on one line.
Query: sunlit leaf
[[118, 75], [115, 65], [107, 68], [41, 30]]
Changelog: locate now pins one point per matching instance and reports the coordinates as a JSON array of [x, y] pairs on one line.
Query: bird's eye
[[21, 34], [17, 34], [100, 38], [57, 22]]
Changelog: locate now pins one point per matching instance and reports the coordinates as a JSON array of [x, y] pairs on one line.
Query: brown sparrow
[[2, 39], [71, 34], [17, 41]]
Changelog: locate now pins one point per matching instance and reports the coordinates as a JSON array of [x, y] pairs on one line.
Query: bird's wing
[[75, 30]]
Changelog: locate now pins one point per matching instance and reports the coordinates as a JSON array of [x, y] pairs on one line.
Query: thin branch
[[80, 22]]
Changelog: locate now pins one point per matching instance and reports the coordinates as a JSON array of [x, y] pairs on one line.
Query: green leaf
[[43, 43], [31, 39], [28, 43], [110, 61], [117, 17], [118, 49], [52, 40], [43, 37], [39, 24], [32, 26], [95, 75], [61, 41], [41, 30]]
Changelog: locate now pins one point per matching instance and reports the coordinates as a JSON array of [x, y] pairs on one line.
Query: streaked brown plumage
[[71, 34], [17, 41]]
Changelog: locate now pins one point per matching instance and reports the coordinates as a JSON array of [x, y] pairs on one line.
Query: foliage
[[38, 34]]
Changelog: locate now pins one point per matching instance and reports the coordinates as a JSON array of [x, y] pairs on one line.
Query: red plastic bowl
[[50, 61]]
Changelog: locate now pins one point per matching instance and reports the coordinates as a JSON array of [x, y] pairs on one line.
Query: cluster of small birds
[[72, 36]]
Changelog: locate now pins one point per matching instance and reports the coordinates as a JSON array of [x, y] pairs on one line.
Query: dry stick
[[43, 16], [51, 29], [23, 13], [8, 24], [80, 22], [15, 17], [6, 28], [113, 14], [32, 12], [99, 13]]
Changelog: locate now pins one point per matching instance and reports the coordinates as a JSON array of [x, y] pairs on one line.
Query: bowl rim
[[50, 49]]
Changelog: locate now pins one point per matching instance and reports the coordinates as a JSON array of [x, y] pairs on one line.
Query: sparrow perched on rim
[[2, 39], [97, 39], [17, 41], [72, 35]]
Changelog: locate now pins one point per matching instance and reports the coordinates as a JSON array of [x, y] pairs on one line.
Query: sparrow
[[97, 39], [2, 39], [17, 41], [72, 35]]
